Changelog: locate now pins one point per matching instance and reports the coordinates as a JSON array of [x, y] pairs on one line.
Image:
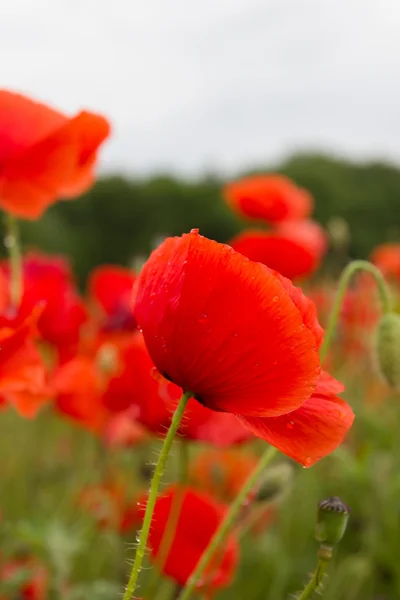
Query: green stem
[[347, 274], [315, 581], [13, 245], [223, 530], [172, 522], [155, 483]]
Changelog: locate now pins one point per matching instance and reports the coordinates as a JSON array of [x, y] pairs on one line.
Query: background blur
[[203, 91]]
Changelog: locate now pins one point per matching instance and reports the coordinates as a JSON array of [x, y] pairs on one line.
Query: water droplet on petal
[[164, 348], [235, 335], [256, 365], [275, 299], [203, 318], [290, 425]]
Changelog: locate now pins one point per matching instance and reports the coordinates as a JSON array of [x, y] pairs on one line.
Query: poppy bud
[[388, 349], [332, 519]]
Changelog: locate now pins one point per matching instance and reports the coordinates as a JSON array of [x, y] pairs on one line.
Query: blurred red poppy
[[294, 249], [48, 282], [44, 155], [30, 577], [111, 288], [272, 198], [387, 258], [199, 518], [240, 337], [78, 386], [23, 377], [134, 387]]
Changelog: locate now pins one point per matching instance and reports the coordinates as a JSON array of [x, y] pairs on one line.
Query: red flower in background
[[48, 282], [294, 249], [199, 518], [78, 385], [23, 377], [33, 587], [237, 335], [387, 258], [111, 289], [271, 198], [44, 155]]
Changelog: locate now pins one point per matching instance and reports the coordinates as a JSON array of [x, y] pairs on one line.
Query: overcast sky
[[194, 85]]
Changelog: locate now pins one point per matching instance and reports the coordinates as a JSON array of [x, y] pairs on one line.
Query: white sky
[[221, 85]]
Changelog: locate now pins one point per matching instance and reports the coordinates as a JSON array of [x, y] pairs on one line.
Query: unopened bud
[[332, 519], [388, 349]]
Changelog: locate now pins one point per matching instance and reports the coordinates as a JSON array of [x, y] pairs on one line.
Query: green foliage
[[120, 219]]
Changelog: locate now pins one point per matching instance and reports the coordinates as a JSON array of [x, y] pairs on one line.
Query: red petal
[[111, 286], [273, 198], [294, 249], [90, 130], [225, 328], [24, 123], [310, 432]]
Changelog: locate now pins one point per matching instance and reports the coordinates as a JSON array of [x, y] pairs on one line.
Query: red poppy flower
[[387, 258], [23, 377], [134, 387], [44, 155], [295, 249], [199, 518], [271, 198], [111, 289], [35, 579], [78, 386], [48, 282], [237, 335], [222, 472]]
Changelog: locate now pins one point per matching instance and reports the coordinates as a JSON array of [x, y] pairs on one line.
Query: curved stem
[[13, 245], [155, 483], [315, 581], [172, 521], [347, 274], [223, 530]]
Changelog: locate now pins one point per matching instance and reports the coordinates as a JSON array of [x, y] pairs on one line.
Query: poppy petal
[[308, 433], [225, 328], [24, 123], [90, 131]]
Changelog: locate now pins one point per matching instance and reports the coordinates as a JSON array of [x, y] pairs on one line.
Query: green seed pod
[[332, 518], [388, 349]]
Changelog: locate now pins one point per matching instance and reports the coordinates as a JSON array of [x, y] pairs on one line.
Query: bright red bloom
[[240, 337], [111, 288], [48, 282], [33, 587], [44, 155], [294, 249], [222, 472], [387, 258], [199, 518], [272, 198], [23, 377]]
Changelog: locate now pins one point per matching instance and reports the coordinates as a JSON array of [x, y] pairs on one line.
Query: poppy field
[[218, 422]]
